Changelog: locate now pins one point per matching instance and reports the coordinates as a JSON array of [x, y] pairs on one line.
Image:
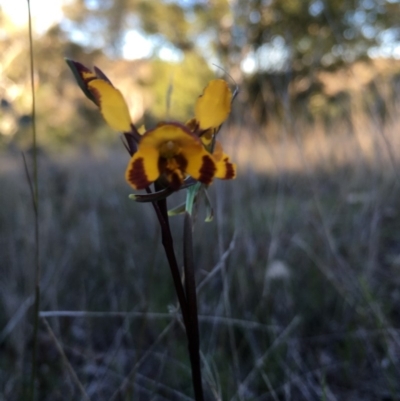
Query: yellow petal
[[213, 106], [225, 169], [143, 167], [112, 105], [201, 165], [176, 133], [218, 152]]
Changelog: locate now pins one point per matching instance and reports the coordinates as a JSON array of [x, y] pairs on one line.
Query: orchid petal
[[112, 105], [213, 106]]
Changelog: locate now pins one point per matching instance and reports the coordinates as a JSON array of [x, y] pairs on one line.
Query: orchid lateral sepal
[[191, 195], [209, 208], [177, 210], [164, 193], [153, 197]]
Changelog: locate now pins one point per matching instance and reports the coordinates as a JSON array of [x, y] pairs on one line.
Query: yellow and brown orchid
[[171, 151], [168, 155]]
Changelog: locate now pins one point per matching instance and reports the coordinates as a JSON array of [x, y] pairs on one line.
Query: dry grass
[[298, 275]]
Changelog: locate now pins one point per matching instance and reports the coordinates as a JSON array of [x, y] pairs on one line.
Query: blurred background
[[299, 271]]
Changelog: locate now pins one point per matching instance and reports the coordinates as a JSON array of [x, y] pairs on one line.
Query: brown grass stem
[[125, 384], [262, 359], [35, 194], [66, 361]]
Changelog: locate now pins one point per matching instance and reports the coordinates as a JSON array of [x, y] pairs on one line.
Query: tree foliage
[[281, 41], [288, 42], [315, 33]]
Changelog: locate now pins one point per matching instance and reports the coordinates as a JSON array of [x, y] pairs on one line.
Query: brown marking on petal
[[85, 73], [136, 175], [207, 170], [182, 161], [193, 125], [230, 170], [96, 94], [175, 179], [100, 74], [162, 164], [173, 169]]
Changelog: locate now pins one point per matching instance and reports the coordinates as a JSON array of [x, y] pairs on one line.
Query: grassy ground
[[298, 276]]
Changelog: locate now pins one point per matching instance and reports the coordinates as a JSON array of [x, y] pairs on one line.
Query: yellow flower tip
[[142, 129], [214, 105], [112, 105]]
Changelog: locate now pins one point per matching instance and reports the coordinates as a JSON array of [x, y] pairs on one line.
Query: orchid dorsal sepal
[[129, 142], [135, 133], [177, 210], [82, 75], [131, 139], [153, 197]]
